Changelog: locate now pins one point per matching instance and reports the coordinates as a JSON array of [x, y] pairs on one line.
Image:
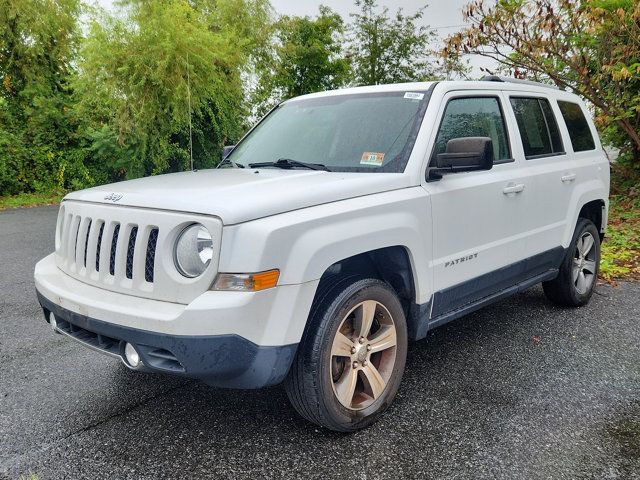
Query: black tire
[[310, 384], [563, 290]]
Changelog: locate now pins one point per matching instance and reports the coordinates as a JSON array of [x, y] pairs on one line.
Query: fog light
[[53, 322], [131, 355]]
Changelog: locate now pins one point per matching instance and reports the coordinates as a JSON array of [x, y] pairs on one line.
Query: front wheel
[[352, 356], [578, 273]]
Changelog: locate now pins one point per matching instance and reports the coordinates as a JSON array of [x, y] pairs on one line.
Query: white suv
[[343, 225]]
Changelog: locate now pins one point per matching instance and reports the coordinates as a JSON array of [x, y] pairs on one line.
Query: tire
[[578, 273], [340, 379]]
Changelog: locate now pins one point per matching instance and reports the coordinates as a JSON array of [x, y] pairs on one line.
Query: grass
[[31, 199], [621, 249]]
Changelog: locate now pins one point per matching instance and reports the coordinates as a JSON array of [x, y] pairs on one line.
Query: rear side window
[[579, 131], [474, 117], [538, 127]]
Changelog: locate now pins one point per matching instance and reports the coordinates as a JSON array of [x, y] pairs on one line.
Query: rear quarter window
[[578, 127]]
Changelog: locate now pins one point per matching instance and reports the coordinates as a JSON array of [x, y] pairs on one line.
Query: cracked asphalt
[[520, 389]]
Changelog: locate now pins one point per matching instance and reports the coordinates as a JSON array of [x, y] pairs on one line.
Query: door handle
[[513, 188], [569, 177]]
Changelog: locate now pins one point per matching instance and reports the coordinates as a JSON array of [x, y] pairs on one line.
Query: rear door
[[477, 216], [551, 170]]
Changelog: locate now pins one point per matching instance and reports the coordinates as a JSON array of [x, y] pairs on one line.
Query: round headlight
[[194, 250]]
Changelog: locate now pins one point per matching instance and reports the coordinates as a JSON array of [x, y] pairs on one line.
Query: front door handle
[[513, 188], [569, 177]]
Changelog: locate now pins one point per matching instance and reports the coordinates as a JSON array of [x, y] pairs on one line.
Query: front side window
[[538, 127], [346, 133], [579, 131], [474, 117]]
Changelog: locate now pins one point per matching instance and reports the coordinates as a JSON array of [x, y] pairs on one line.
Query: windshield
[[372, 132]]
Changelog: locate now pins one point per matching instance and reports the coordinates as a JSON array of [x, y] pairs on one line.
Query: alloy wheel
[[363, 355], [584, 263]]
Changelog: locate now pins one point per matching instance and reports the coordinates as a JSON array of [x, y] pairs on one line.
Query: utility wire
[[189, 101]]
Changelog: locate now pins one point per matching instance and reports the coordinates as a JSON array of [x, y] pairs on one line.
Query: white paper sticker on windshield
[[372, 158], [414, 95]]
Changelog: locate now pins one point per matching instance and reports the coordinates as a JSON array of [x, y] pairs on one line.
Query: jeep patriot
[[342, 226]]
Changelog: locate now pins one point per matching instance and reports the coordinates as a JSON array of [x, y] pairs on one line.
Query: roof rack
[[496, 78]]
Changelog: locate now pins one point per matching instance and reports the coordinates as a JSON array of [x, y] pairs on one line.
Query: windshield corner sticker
[[372, 158], [414, 95]]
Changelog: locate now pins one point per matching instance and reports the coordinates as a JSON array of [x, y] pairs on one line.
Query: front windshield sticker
[[372, 158], [414, 95]]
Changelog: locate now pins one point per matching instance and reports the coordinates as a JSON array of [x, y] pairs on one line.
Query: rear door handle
[[513, 188], [569, 177]]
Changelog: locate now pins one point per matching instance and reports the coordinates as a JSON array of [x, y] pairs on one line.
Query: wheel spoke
[[590, 266], [580, 246], [383, 339], [587, 244], [364, 318], [346, 386], [341, 345], [374, 380], [575, 270], [581, 284]]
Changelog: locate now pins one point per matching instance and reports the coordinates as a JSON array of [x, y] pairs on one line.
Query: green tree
[[389, 49], [140, 69], [591, 47], [305, 56], [38, 43]]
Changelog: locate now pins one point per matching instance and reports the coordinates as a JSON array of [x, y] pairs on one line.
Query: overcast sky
[[443, 15]]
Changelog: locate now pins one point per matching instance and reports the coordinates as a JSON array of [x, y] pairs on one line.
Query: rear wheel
[[578, 273], [352, 356]]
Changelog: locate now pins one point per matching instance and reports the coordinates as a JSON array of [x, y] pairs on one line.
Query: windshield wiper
[[289, 163]]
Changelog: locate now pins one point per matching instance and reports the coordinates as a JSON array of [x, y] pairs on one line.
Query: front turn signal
[[246, 282]]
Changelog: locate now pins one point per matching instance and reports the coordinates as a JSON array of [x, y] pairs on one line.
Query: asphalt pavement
[[519, 389]]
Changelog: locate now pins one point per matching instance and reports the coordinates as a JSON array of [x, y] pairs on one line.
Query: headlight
[[194, 251]]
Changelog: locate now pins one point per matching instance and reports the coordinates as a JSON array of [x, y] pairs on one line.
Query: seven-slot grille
[[128, 250], [107, 248]]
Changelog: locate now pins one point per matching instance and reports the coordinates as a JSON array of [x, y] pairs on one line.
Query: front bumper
[[221, 360], [227, 339]]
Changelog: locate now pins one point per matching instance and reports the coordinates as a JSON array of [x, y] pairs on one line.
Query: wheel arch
[[390, 264], [589, 200], [595, 210]]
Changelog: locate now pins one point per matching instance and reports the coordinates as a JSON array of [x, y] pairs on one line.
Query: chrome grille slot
[[151, 255], [118, 248], [86, 244], [98, 244], [130, 250], [114, 246], [76, 234]]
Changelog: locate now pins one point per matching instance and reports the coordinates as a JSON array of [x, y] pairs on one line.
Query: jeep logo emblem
[[114, 197]]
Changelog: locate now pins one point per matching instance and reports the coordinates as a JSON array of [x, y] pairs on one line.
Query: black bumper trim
[[228, 361]]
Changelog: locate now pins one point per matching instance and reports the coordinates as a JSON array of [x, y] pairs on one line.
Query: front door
[[478, 227]]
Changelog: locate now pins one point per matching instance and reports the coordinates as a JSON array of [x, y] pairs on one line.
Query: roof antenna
[[189, 100]]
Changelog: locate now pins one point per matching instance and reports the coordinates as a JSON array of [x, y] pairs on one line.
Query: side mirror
[[462, 155], [227, 150]]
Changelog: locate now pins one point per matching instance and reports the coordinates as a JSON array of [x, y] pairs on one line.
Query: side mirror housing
[[462, 155], [227, 150]]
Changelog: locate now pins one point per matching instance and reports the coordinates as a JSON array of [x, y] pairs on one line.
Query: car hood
[[239, 195]]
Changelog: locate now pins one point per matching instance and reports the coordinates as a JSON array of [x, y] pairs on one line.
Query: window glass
[[579, 131], [538, 127], [369, 132], [554, 131], [474, 117]]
